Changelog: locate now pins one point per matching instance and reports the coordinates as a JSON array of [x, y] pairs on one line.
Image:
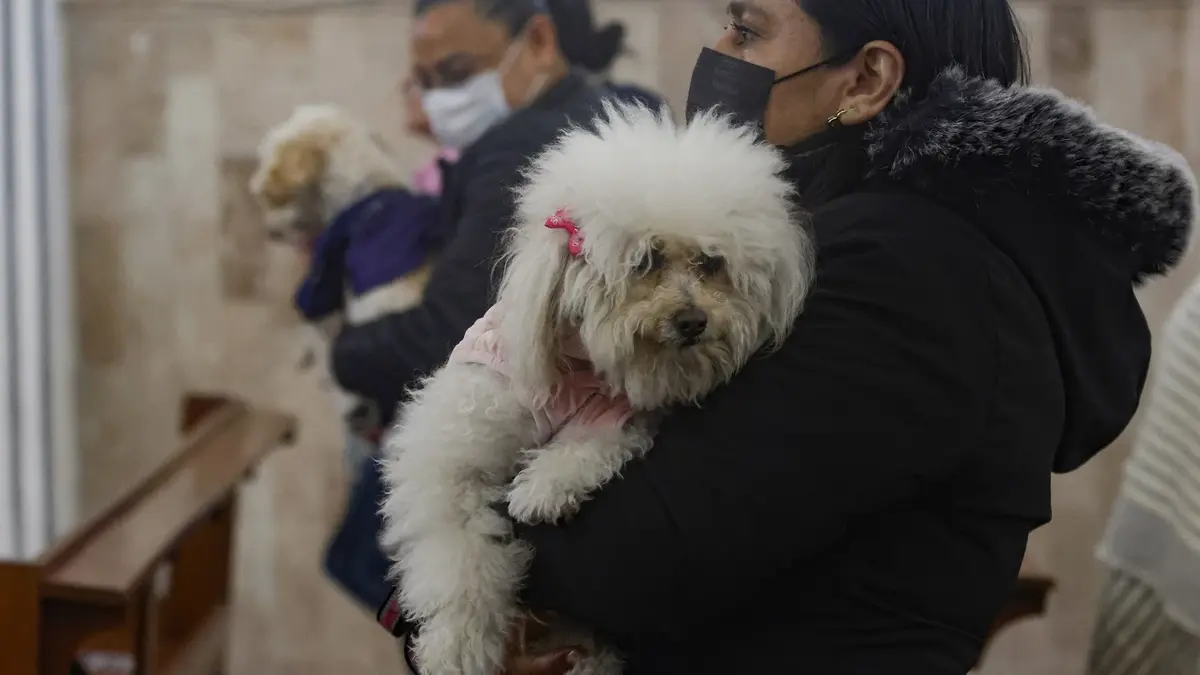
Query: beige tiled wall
[[179, 290]]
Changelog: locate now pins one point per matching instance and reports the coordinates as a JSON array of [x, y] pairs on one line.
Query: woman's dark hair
[[581, 43], [514, 14], [983, 37]]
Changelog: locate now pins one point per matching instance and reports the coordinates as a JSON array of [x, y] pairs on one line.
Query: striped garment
[[1135, 636], [1150, 611]]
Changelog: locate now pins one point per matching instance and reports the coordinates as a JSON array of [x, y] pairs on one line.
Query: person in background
[[1149, 617], [584, 46], [859, 501], [495, 87], [595, 49]]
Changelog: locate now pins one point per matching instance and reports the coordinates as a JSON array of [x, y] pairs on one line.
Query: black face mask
[[736, 87]]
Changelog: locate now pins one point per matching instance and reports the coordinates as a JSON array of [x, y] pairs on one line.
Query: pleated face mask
[[735, 87]]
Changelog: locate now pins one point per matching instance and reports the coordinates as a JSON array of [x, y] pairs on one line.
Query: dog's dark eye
[[711, 264], [652, 260]]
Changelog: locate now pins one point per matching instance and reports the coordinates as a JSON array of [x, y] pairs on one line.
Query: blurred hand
[[554, 663], [520, 662]]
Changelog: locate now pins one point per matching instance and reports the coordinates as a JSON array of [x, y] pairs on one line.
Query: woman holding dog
[[859, 502]]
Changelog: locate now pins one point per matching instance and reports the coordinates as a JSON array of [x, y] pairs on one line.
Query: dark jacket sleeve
[[378, 360], [874, 395]]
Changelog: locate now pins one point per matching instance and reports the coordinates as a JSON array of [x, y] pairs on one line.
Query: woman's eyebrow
[[743, 9]]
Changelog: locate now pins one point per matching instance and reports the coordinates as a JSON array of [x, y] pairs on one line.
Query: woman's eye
[[651, 261], [711, 264], [741, 34]]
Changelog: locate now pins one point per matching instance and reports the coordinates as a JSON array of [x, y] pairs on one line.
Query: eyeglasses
[[449, 72]]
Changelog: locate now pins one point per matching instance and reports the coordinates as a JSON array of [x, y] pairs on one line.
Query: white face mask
[[460, 115]]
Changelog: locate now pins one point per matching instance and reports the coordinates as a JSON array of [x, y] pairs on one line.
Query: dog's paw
[[533, 501]]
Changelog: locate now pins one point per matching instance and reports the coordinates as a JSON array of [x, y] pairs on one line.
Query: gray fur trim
[[974, 135]]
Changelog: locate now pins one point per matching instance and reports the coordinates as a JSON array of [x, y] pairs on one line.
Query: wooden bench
[[148, 579]]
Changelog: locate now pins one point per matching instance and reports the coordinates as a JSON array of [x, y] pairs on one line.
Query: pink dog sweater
[[582, 400]]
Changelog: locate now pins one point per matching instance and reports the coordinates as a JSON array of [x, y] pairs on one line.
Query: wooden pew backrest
[[148, 577]]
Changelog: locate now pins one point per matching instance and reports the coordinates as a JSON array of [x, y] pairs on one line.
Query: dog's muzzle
[[690, 325]]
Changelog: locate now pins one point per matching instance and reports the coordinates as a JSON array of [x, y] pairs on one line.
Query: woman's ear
[[879, 71], [542, 37]]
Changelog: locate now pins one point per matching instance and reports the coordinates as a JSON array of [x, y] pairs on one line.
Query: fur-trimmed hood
[[1135, 193], [1084, 210]]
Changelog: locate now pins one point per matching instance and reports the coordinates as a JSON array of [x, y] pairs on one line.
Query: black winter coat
[[381, 359], [858, 503]]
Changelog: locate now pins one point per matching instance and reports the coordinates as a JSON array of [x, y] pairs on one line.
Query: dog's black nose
[[691, 323]]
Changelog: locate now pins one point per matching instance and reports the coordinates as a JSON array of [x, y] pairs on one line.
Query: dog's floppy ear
[[297, 163], [530, 297], [793, 273]]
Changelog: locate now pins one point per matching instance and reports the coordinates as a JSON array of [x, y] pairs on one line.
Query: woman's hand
[[521, 662], [554, 663]]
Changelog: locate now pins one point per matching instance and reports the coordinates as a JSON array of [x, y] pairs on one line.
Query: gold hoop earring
[[836, 121]]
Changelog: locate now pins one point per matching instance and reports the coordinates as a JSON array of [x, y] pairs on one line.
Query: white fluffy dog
[[650, 262]]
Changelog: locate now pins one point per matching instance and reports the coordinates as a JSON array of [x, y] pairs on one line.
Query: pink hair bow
[[561, 221]]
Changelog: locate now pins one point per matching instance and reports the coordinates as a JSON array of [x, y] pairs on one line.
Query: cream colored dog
[[312, 167], [649, 263]]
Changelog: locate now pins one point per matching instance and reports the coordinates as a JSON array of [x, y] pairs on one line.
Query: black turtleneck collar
[[566, 88], [827, 164]]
